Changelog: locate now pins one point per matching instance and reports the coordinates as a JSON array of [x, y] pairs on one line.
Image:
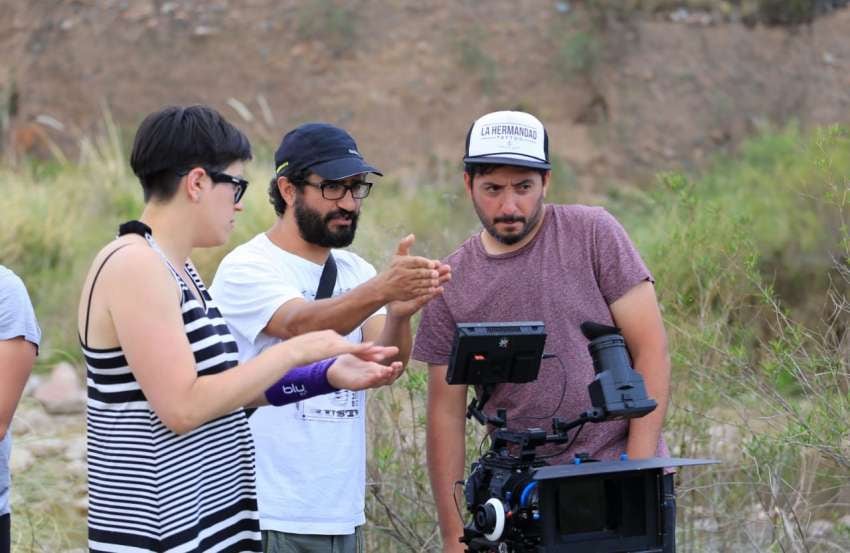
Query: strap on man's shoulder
[[328, 279]]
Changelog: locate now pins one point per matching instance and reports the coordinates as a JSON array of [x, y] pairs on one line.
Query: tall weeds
[[751, 264]]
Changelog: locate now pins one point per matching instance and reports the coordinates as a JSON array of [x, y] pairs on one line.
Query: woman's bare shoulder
[[127, 261], [125, 252]]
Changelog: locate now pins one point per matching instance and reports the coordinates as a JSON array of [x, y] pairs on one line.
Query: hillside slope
[[622, 100]]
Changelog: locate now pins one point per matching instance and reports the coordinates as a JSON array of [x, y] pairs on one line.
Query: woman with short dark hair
[[170, 455]]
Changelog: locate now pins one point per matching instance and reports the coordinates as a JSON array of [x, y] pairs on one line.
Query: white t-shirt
[[311, 455]]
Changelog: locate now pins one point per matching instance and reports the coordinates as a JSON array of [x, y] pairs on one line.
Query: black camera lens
[[609, 353]]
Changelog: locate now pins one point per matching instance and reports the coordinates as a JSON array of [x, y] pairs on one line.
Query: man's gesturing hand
[[410, 276]]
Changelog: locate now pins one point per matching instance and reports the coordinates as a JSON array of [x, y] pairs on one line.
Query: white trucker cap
[[508, 138]]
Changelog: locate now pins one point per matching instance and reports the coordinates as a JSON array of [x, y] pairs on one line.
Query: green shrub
[[785, 12], [576, 54], [751, 273], [330, 22], [476, 61]]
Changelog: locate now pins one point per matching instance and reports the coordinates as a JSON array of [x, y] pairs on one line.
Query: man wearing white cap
[[560, 264]]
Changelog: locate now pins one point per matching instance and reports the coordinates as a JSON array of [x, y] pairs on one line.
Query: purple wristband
[[301, 383]]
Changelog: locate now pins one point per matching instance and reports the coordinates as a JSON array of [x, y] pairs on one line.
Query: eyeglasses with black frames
[[336, 190], [240, 185]]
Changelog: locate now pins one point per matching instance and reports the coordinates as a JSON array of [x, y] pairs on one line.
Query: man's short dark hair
[[475, 169], [177, 139], [297, 178]]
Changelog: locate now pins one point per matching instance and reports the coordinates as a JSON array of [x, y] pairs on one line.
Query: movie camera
[[518, 503]]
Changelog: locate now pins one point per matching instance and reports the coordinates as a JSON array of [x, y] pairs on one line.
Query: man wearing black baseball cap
[[560, 264], [292, 279]]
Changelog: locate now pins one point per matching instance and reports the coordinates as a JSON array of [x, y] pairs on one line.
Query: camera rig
[[518, 503]]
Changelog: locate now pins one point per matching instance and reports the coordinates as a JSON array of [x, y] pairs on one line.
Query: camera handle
[[561, 427], [476, 409]]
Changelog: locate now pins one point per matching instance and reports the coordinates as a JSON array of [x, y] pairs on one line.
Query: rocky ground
[[48, 463]]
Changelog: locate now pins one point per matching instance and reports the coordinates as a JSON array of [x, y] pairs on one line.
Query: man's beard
[[315, 229], [510, 239]]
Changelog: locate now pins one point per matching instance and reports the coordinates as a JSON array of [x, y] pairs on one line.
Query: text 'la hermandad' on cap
[[508, 138]]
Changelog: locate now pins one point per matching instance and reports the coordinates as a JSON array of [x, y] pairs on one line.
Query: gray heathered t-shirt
[[17, 319], [579, 262]]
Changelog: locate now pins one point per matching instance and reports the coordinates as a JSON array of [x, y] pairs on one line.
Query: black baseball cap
[[324, 149]]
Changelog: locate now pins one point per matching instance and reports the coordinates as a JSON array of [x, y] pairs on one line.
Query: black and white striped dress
[[151, 489]]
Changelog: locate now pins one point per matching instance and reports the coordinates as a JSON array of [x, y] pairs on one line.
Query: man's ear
[[287, 190], [193, 184], [546, 179], [467, 181]]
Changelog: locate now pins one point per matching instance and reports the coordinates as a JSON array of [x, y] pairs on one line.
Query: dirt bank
[[622, 100]]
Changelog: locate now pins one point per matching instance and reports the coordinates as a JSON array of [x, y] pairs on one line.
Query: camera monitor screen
[[493, 353]]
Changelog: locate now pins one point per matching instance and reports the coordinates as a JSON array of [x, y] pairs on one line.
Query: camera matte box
[[493, 353], [607, 506]]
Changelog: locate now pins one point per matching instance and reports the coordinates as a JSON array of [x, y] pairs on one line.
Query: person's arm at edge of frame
[[166, 373], [446, 452], [17, 356], [638, 316]]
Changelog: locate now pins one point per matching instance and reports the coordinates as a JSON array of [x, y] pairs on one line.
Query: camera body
[[519, 504], [501, 495]]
